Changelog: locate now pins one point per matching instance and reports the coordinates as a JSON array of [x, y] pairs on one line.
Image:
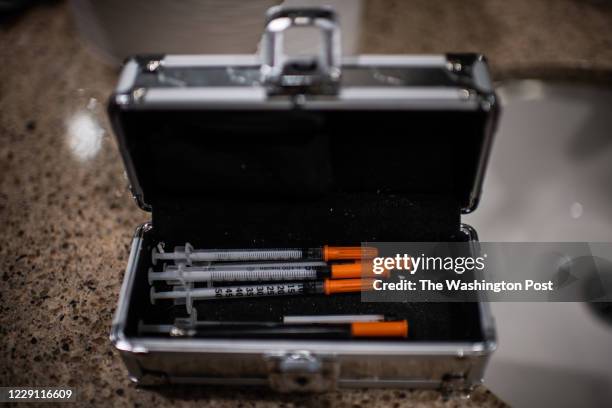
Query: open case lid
[[279, 128]]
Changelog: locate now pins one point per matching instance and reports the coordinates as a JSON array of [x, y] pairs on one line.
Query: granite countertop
[[549, 39], [66, 217]]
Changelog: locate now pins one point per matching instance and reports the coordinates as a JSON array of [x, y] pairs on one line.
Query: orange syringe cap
[[355, 270], [331, 253], [332, 286], [380, 329]]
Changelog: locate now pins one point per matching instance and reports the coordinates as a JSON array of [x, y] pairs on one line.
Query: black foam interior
[[336, 219], [300, 179], [339, 219], [428, 321], [301, 154]]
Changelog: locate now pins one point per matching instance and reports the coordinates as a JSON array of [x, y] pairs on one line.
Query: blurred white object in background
[[550, 180], [116, 29], [84, 132]]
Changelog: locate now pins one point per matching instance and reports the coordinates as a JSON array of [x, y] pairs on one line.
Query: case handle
[[282, 74]]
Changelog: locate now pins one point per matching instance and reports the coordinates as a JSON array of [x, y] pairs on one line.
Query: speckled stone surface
[[554, 39], [66, 218]]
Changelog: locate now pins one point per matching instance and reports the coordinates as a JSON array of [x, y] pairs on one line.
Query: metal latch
[[302, 371], [282, 74]]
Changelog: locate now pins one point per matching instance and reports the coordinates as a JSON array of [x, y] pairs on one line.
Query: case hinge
[[302, 371]]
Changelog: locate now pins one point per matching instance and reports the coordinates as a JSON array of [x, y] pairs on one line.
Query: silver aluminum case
[[293, 365]]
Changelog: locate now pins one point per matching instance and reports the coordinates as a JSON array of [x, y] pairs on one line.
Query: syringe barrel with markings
[[186, 274], [327, 287], [326, 253]]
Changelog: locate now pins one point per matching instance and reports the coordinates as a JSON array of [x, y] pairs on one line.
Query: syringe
[[327, 287], [193, 322], [393, 329], [184, 274], [326, 253]]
